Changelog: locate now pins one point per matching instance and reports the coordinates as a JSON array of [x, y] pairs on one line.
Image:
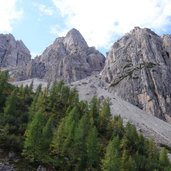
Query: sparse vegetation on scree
[[52, 128]]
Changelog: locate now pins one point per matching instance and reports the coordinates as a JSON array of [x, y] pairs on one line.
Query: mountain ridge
[[136, 70], [68, 58]]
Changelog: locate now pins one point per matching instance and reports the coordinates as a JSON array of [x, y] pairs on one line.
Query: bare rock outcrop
[[138, 68], [12, 52], [69, 59]]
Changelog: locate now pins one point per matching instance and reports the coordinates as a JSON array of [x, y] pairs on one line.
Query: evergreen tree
[[94, 108], [4, 89], [127, 163], [163, 159], [117, 126], [10, 110], [47, 133], [64, 134], [111, 160], [33, 141], [105, 118], [81, 131], [11, 124], [93, 149], [130, 139]]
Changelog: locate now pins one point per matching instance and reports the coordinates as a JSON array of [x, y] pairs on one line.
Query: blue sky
[[101, 22]]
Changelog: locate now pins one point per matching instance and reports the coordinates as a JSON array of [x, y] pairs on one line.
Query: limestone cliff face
[[12, 52], [138, 68], [69, 59]]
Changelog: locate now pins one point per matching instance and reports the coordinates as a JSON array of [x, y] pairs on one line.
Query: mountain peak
[[138, 69], [74, 39], [139, 31]]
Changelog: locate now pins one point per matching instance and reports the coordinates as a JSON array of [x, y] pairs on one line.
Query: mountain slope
[[150, 125], [138, 68], [146, 123]]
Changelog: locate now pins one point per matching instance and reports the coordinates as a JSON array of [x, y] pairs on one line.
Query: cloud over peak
[[9, 14], [99, 21]]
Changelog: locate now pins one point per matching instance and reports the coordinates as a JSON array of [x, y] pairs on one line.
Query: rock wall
[[138, 68], [69, 59], [12, 52]]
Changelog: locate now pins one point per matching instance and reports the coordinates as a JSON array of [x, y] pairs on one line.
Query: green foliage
[[5, 89], [51, 127], [111, 161], [33, 141], [163, 159]]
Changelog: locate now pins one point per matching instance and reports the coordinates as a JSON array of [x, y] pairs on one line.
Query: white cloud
[[58, 30], [100, 20], [9, 14], [44, 9], [34, 54]]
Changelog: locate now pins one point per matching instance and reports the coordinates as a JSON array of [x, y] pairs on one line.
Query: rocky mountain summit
[[12, 52], [138, 68], [69, 58]]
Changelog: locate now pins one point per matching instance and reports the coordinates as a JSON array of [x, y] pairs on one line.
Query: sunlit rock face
[[138, 68], [69, 59]]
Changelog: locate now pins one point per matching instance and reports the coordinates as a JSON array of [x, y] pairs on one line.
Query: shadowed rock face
[[69, 58], [138, 68], [12, 53]]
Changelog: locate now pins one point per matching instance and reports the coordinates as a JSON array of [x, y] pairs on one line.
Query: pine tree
[[93, 149], [4, 88], [163, 159], [10, 122], [33, 141], [105, 119], [117, 126], [10, 110], [127, 163], [94, 108], [47, 133], [79, 150], [130, 139], [64, 133], [111, 160], [31, 86]]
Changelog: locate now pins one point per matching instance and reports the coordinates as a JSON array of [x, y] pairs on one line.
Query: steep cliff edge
[[12, 52], [138, 68]]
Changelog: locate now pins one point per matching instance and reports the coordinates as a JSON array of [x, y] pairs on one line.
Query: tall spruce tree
[[11, 122], [163, 159], [111, 161], [93, 149], [33, 142]]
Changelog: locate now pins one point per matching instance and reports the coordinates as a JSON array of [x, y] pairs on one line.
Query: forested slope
[[52, 128]]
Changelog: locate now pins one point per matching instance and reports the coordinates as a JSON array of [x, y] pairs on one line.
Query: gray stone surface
[[12, 52], [138, 68], [69, 58], [148, 124], [6, 167]]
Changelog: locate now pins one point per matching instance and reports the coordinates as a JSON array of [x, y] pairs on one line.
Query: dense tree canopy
[[51, 127]]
